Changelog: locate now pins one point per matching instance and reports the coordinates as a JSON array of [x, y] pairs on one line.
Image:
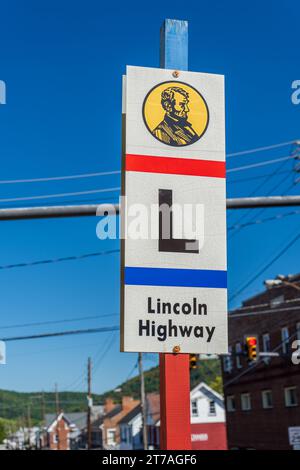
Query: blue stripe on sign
[[175, 277]]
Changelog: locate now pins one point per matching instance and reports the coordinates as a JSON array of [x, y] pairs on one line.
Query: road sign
[[294, 435], [174, 295], [2, 352]]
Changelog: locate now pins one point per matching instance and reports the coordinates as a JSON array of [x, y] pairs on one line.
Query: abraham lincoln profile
[[175, 129]]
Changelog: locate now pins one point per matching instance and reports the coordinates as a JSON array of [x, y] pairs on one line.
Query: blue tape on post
[[139, 276], [174, 45]]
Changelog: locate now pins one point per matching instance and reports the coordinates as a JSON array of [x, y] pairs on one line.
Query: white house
[[208, 427]]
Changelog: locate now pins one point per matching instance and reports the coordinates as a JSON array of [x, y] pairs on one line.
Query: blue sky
[[62, 63]]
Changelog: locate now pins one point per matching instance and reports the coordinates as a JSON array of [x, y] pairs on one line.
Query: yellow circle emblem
[[175, 113]]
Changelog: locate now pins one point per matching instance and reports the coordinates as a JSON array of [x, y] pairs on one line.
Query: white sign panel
[[294, 436], [2, 352], [174, 274]]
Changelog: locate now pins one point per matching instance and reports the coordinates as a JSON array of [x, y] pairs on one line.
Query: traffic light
[[251, 348], [193, 361]]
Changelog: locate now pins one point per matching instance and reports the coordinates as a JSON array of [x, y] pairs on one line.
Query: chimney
[[109, 405], [128, 403]]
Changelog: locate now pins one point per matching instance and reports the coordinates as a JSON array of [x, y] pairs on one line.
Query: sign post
[[173, 222], [175, 421]]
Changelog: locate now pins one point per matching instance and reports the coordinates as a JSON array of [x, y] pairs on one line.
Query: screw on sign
[[174, 276]]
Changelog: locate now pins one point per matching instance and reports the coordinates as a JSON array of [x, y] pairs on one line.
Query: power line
[[261, 271], [105, 352], [270, 310], [77, 383], [261, 149], [108, 252], [114, 172], [63, 333], [243, 180], [259, 164], [262, 221], [53, 322], [268, 178], [59, 260], [61, 178], [265, 304], [132, 370], [48, 196]]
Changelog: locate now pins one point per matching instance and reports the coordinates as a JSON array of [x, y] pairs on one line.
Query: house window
[[238, 351], [290, 396], [266, 346], [230, 402], [266, 342], [298, 331], [267, 399], [227, 361], [285, 339], [55, 438], [194, 408], [245, 401], [212, 408], [111, 437]]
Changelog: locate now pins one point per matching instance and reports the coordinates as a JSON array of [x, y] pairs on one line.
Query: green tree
[[2, 431]]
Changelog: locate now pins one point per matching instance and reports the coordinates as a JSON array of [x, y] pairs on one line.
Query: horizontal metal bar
[[270, 201], [49, 212], [269, 354], [260, 354], [85, 210]]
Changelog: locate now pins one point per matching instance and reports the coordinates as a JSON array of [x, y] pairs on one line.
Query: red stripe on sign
[[175, 166]]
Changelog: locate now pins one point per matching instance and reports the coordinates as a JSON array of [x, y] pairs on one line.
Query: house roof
[[132, 414], [153, 410], [115, 411], [208, 392], [77, 419], [97, 422]]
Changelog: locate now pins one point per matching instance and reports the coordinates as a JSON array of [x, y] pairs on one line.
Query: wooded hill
[[28, 408]]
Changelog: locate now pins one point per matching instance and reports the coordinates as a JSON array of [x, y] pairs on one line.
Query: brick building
[[67, 431], [262, 399], [108, 425]]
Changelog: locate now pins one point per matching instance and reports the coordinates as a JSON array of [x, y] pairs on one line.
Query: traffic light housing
[[251, 348], [193, 361]]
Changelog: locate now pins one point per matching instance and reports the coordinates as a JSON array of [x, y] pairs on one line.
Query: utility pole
[[28, 415], [43, 407], [89, 411], [57, 415], [56, 400], [143, 401], [28, 423]]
